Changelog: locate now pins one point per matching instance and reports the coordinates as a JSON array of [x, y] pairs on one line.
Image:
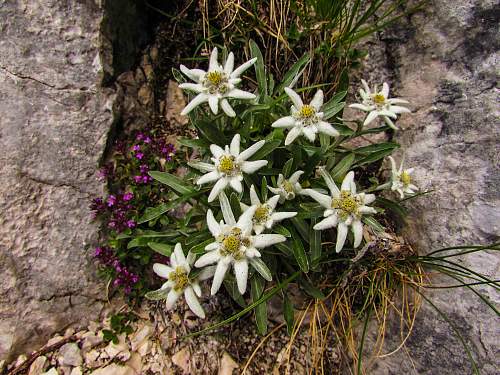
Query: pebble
[[69, 355], [38, 366], [114, 369], [52, 371], [181, 359], [227, 365]]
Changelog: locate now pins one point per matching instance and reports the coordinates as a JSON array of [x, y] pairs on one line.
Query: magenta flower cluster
[[123, 276], [117, 209]]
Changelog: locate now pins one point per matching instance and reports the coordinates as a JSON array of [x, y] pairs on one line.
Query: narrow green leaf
[[314, 244], [257, 288], [288, 313], [210, 132], [263, 189], [260, 69], [310, 289], [280, 229], [292, 73], [173, 182], [376, 147], [157, 295], [178, 76], [234, 201], [194, 143], [342, 167], [391, 205], [232, 288], [373, 223], [299, 252], [200, 248], [302, 227], [287, 168], [152, 213], [268, 147], [332, 111], [261, 268], [161, 248], [373, 157]]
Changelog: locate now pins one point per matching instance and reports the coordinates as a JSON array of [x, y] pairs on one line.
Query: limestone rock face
[[54, 122], [445, 61]]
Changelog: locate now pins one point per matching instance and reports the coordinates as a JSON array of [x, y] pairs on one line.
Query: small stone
[[93, 326], [144, 348], [91, 358], [153, 53], [227, 365], [135, 362], [38, 366], [54, 340], [69, 355], [140, 336], [119, 351], [76, 371], [114, 369], [181, 359], [20, 360], [176, 319], [2, 365], [69, 332], [145, 95], [90, 339], [52, 371]]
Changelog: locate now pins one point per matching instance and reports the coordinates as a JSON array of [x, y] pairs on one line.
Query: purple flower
[[136, 148], [147, 140], [111, 200], [112, 224], [144, 168], [140, 136], [138, 179], [128, 196], [139, 155], [98, 251], [146, 179], [131, 224]]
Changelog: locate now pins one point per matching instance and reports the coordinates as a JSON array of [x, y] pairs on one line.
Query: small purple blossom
[[131, 224], [144, 168], [147, 140], [111, 201], [138, 179], [140, 136], [139, 155], [136, 148], [128, 196]]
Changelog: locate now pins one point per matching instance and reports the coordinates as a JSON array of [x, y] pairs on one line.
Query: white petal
[[272, 202], [227, 212], [196, 288], [284, 122], [172, 298], [235, 145], [292, 135], [208, 258], [397, 101], [229, 65], [250, 167], [218, 187], [220, 272], [207, 273], [317, 101], [212, 224], [196, 87], [369, 198], [251, 150], [216, 151], [258, 228], [226, 107], [212, 246], [245, 220], [361, 107], [209, 177], [387, 113], [309, 132], [235, 183], [193, 303], [332, 186], [357, 230], [367, 210], [265, 240], [325, 128], [162, 270], [275, 190], [179, 257], [278, 216], [252, 252], [341, 236], [213, 64], [238, 71], [240, 94], [328, 222], [197, 100], [365, 86], [371, 116], [393, 166], [213, 102], [241, 273], [294, 178], [194, 74], [399, 109], [294, 97], [390, 123], [254, 199], [347, 182], [201, 166], [385, 90], [322, 199]]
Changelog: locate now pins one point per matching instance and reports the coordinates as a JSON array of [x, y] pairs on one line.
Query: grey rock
[[55, 117], [69, 355], [445, 61], [38, 366]]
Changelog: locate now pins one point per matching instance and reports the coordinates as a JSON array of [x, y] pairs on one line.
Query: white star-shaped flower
[[306, 119], [228, 166], [177, 274], [216, 85], [401, 179], [344, 208], [287, 189], [378, 103], [264, 216], [234, 245]]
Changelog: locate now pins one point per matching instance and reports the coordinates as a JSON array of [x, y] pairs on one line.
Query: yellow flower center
[[215, 78], [307, 111], [346, 204], [231, 244], [405, 178], [378, 98], [288, 186], [261, 214], [180, 278], [227, 164]]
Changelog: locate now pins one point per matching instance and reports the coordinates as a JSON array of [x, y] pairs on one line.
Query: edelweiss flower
[[179, 282], [401, 179], [377, 103], [287, 188], [229, 166], [234, 245], [306, 119], [343, 208], [264, 216], [216, 85]]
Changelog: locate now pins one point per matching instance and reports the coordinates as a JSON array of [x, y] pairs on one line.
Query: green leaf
[[310, 289], [263, 189], [376, 147], [210, 132], [343, 129], [178, 76], [280, 229], [235, 205], [161, 248], [268, 147], [333, 110], [261, 268], [152, 213], [342, 167], [157, 295], [299, 252], [194, 143], [260, 69], [393, 206], [200, 248], [302, 227], [292, 73], [373, 223], [287, 168], [288, 314], [173, 182], [373, 157], [232, 288], [257, 288], [314, 244]]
